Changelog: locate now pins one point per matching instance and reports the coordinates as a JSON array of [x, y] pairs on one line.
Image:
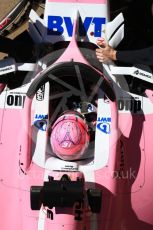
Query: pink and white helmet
[[69, 137]]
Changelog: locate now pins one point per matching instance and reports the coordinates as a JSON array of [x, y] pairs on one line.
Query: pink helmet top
[[69, 137]]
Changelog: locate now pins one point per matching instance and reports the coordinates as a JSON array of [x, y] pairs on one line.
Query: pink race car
[[74, 139]]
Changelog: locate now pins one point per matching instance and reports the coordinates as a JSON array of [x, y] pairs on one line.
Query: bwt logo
[[103, 124], [41, 121], [56, 23]]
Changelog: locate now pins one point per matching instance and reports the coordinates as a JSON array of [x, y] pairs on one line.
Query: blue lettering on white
[[104, 119], [56, 25], [41, 116], [69, 25], [103, 124], [98, 26], [85, 26], [41, 121]]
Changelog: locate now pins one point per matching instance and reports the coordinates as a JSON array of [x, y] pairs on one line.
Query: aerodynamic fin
[[115, 31], [9, 65], [133, 71], [36, 27], [112, 26]]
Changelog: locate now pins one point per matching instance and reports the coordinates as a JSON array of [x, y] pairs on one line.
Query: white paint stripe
[[41, 107], [26, 66], [41, 221]]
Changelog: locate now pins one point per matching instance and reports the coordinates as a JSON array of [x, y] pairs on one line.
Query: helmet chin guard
[[70, 137]]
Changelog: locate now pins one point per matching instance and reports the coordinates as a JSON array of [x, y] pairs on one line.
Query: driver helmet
[[69, 137]]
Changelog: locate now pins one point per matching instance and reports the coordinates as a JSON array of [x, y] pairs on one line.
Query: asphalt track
[[5, 7]]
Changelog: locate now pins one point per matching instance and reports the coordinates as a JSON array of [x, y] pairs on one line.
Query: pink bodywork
[[127, 202]]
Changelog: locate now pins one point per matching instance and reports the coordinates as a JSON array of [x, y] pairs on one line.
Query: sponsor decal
[[41, 121], [57, 24], [129, 105], [15, 100], [69, 168], [103, 124], [138, 72], [41, 116], [40, 93]]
